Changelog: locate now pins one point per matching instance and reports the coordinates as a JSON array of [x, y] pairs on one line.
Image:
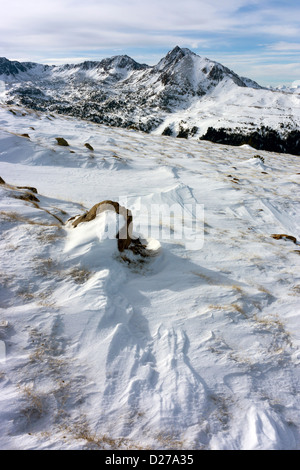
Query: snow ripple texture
[[189, 349]]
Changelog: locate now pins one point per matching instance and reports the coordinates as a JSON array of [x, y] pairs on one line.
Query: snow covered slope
[[194, 347], [183, 95]]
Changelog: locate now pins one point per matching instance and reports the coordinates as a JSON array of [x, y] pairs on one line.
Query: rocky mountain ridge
[[184, 95]]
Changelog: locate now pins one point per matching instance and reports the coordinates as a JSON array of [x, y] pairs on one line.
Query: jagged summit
[[193, 75], [180, 51], [174, 56], [177, 53]]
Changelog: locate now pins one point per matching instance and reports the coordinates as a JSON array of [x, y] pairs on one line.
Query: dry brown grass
[[79, 275], [80, 430], [221, 412], [48, 236], [228, 307], [169, 441], [296, 290], [15, 217], [34, 402]]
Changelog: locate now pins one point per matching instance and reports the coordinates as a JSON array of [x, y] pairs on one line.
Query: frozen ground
[[195, 347]]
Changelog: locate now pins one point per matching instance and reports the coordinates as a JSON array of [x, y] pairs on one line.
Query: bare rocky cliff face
[[163, 98]]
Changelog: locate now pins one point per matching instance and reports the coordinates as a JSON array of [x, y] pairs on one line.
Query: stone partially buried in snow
[[27, 196], [61, 141], [124, 236], [125, 233], [30, 188], [88, 146], [279, 236]]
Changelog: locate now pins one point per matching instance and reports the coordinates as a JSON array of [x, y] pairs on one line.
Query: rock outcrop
[[280, 236], [124, 236]]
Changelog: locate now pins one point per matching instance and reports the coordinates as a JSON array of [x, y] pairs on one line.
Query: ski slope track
[[195, 346], [184, 96]]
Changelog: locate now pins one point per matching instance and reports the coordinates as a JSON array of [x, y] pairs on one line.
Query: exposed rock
[[279, 236], [13, 67], [27, 197], [259, 157], [125, 233], [62, 141], [2, 180], [124, 236], [88, 146], [30, 188]]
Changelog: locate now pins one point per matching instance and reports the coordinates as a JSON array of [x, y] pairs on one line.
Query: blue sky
[[259, 39]]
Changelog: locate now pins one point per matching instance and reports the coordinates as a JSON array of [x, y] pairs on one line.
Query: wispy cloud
[[73, 29], [285, 46], [265, 68], [107, 23]]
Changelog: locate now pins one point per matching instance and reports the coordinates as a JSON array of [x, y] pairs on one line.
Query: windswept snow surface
[[195, 347]]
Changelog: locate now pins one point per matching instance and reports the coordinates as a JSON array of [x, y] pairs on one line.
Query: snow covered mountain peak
[[174, 55], [200, 70]]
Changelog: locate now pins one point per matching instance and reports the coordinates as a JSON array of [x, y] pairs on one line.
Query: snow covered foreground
[[195, 347]]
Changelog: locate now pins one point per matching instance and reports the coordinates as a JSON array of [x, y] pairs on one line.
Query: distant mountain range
[[184, 95]]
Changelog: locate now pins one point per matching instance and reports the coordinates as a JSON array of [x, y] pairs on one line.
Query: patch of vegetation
[[264, 138], [185, 132], [80, 275], [15, 217], [167, 131]]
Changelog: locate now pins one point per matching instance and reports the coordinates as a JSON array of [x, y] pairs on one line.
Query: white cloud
[[107, 23], [285, 47], [157, 14], [73, 29], [265, 69]]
